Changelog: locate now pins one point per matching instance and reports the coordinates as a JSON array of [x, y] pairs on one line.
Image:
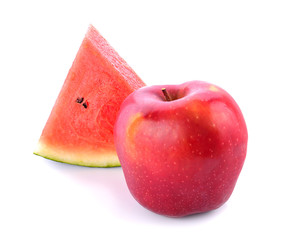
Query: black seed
[[85, 104], [79, 99]]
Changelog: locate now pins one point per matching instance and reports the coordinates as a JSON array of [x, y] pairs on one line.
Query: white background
[[234, 44]]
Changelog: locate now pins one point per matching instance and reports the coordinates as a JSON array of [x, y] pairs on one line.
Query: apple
[[181, 147]]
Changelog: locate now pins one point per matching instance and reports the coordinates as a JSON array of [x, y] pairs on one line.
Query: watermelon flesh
[[79, 129]]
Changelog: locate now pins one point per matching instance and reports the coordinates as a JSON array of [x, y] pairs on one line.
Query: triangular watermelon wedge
[[80, 127]]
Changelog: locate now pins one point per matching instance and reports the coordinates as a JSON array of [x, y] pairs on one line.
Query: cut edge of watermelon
[[104, 159]]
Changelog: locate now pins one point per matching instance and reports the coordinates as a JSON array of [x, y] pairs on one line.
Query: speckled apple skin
[[183, 156]]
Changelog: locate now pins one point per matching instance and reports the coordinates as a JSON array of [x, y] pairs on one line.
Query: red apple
[[181, 147]]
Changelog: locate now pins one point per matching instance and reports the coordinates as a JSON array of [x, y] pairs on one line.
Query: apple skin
[[183, 156]]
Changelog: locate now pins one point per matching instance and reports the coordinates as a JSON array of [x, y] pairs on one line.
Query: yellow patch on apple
[[213, 88], [133, 125]]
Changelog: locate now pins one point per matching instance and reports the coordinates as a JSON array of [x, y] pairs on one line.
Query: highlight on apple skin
[[181, 154]]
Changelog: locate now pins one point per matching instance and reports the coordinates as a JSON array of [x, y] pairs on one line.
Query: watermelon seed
[[85, 104], [79, 100]]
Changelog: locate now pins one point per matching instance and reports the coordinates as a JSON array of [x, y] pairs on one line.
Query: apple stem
[[167, 97]]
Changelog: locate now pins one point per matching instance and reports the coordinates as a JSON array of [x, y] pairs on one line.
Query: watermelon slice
[[80, 127]]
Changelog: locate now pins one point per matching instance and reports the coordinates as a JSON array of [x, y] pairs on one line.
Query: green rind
[[78, 163]]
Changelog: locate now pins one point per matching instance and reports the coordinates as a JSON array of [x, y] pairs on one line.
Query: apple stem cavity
[[166, 95]]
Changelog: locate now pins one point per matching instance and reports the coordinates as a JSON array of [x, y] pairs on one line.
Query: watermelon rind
[[103, 160]]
